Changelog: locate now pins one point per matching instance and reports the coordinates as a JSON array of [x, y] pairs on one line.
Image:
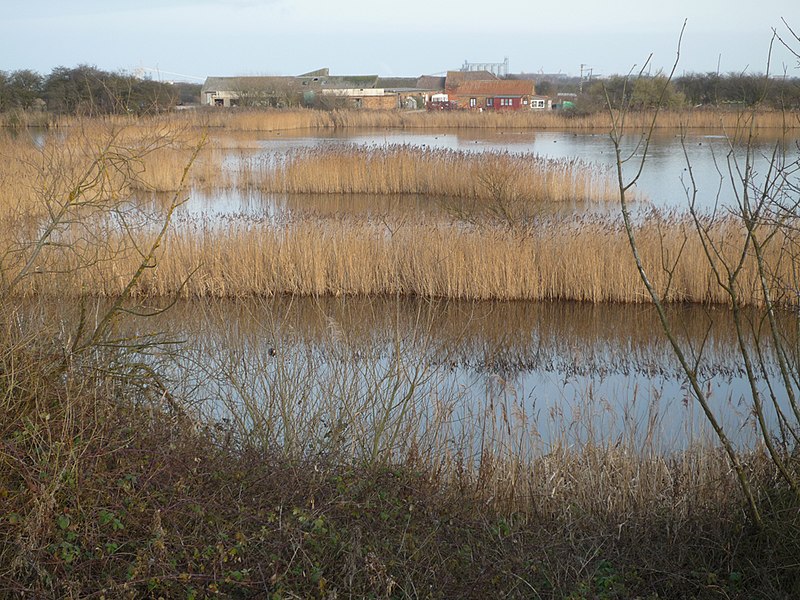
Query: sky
[[186, 39]]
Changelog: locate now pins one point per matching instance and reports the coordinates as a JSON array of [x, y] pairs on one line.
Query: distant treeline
[[689, 90], [87, 90], [713, 88]]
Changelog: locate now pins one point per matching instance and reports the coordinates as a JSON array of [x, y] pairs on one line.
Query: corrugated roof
[[351, 81], [268, 84], [430, 82], [247, 83], [390, 83], [323, 72]]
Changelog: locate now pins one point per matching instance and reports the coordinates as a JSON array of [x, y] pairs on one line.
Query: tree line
[[688, 90], [87, 90]]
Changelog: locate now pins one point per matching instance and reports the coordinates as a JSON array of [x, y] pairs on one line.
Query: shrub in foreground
[[104, 492]]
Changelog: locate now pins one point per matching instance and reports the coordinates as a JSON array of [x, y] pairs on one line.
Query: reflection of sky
[[615, 401], [231, 203], [593, 407]]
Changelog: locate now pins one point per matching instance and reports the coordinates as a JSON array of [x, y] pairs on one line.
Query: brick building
[[492, 94]]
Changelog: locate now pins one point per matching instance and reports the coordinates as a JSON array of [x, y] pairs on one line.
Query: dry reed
[[394, 169], [276, 120], [556, 259], [310, 119], [121, 159], [479, 257]]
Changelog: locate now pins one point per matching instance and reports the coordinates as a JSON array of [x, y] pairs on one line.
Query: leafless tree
[[766, 214]]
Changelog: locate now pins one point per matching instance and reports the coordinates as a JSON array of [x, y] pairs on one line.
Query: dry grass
[[552, 259], [276, 120], [501, 250], [387, 170]]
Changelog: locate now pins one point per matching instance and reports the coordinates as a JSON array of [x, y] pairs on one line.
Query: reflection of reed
[[441, 375], [352, 382], [504, 339]]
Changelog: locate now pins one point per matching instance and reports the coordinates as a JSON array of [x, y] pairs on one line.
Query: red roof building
[[497, 94]]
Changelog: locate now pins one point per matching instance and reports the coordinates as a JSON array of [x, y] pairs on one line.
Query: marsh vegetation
[[341, 403]]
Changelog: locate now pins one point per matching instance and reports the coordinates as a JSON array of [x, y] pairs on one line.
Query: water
[[559, 366]]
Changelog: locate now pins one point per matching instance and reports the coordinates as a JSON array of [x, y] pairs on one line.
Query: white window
[[473, 102]]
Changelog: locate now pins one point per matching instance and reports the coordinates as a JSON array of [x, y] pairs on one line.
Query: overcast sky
[[401, 37]]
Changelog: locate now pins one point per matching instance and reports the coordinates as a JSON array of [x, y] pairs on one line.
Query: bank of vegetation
[[710, 119], [275, 121], [107, 491]]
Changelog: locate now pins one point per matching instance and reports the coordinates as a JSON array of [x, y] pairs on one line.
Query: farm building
[[249, 91], [317, 88], [495, 94]]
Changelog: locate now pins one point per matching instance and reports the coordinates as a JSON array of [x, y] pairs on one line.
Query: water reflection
[[604, 365], [279, 208]]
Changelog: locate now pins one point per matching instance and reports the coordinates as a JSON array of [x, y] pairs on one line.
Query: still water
[[601, 371]]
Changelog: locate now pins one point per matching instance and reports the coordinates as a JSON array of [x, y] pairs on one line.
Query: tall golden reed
[[579, 258], [277, 120], [556, 259], [401, 169]]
